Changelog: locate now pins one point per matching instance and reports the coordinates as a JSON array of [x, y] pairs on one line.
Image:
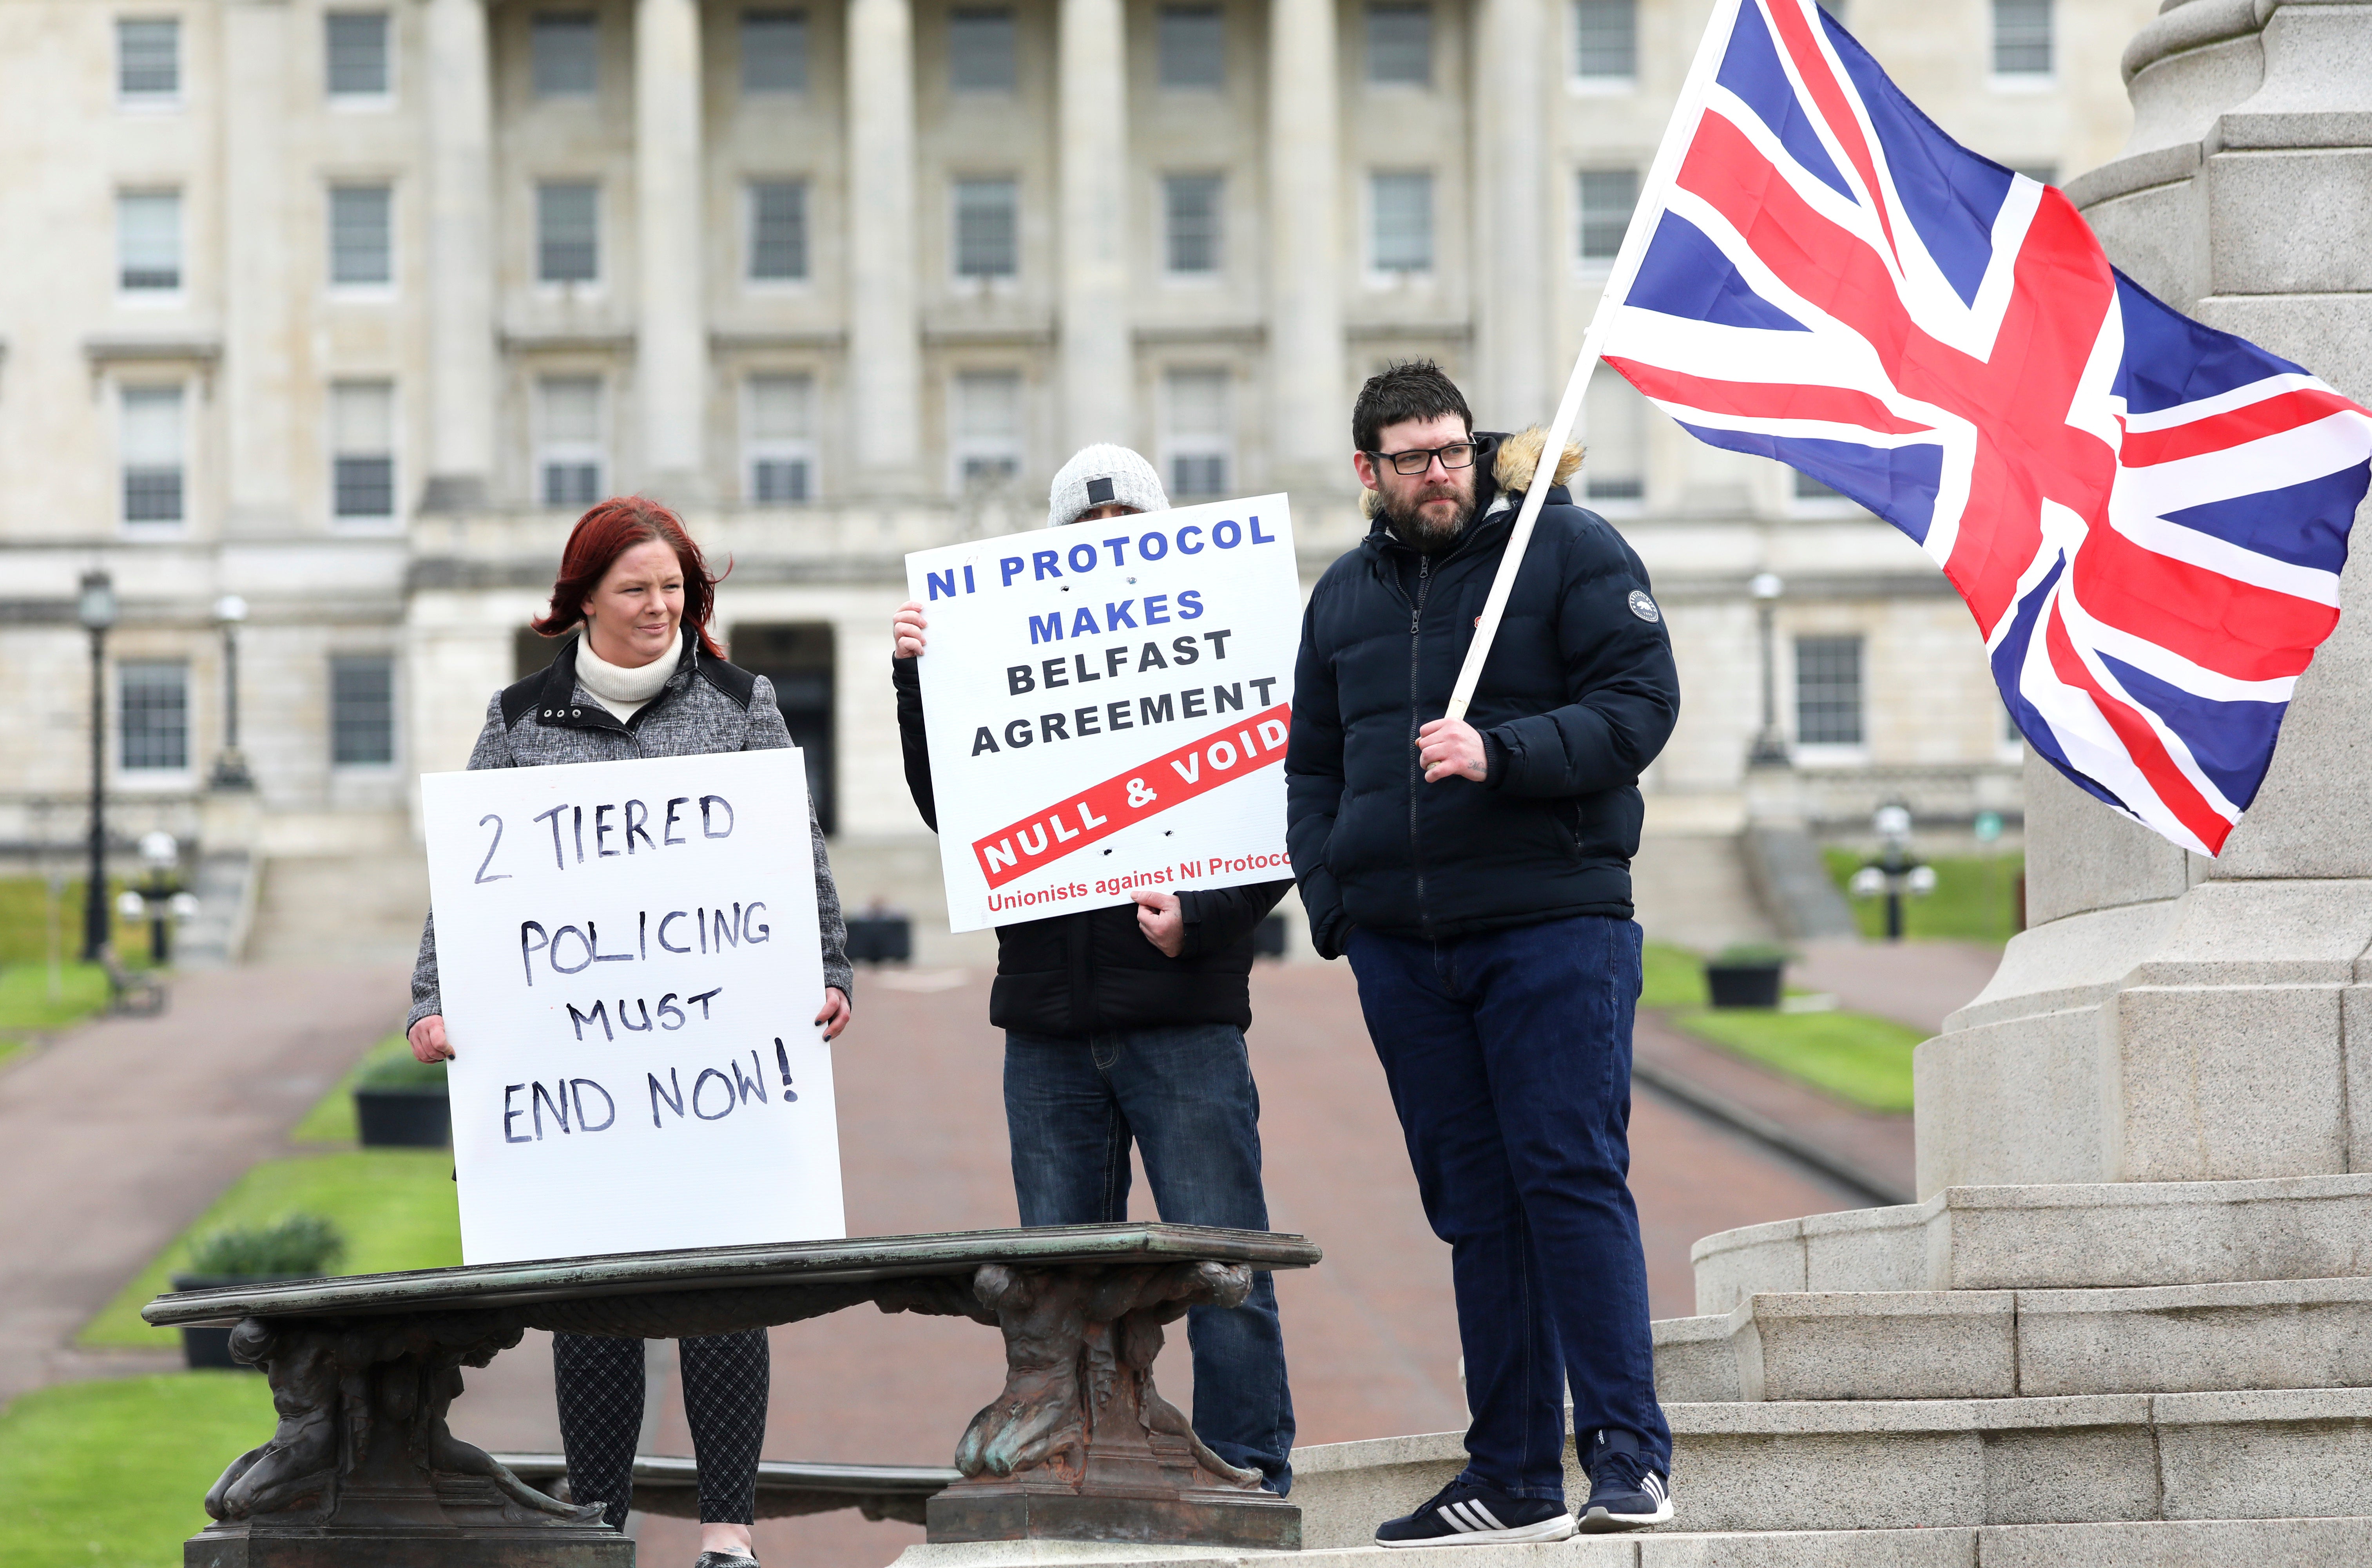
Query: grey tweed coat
[[706, 705]]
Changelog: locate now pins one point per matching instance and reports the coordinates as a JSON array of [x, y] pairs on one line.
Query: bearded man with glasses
[[1477, 872]]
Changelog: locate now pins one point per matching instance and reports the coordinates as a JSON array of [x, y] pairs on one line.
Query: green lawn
[[1675, 977], [1972, 901], [395, 1207], [115, 1473], [27, 1008], [1850, 1056], [25, 922], [332, 1120]]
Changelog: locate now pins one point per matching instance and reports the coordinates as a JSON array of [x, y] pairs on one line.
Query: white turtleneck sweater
[[622, 690]]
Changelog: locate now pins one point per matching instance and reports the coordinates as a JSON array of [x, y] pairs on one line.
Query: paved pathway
[[114, 1138], [1371, 1332], [1918, 983]]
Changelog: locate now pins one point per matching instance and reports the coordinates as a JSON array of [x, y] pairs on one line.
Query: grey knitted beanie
[[1100, 475]]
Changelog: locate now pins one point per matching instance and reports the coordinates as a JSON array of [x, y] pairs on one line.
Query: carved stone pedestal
[[1081, 1445], [362, 1471]]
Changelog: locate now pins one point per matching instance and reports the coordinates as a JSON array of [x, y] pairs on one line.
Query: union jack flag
[[2147, 517]]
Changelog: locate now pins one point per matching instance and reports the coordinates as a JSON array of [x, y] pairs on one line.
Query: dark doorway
[[532, 652], [798, 660]]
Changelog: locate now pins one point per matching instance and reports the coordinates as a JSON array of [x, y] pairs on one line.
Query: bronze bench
[[362, 1470]]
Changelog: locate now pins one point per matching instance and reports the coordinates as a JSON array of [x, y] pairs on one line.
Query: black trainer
[[1625, 1492], [1463, 1514]]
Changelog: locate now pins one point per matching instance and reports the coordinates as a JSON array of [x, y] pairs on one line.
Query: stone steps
[[2073, 1236], [2218, 1543], [1935, 1464], [2037, 1344]]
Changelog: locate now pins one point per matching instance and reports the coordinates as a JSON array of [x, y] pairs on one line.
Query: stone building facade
[[347, 308]]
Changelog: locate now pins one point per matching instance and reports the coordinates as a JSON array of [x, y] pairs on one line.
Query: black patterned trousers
[[600, 1387]]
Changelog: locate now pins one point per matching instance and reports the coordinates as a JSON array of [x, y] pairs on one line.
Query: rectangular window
[[567, 232], [1196, 432], [773, 51], [1606, 39], [988, 229], [568, 457], [362, 710], [778, 231], [1605, 199], [1615, 466], [981, 51], [362, 449], [986, 420], [152, 698], [362, 236], [148, 59], [1190, 42], [149, 241], [2040, 173], [148, 445], [778, 439], [1400, 44], [1805, 488], [1828, 691], [1191, 223], [564, 49], [357, 53], [1402, 216], [2021, 38]]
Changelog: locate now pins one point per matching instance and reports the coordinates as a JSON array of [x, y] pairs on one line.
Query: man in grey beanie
[[1127, 1024]]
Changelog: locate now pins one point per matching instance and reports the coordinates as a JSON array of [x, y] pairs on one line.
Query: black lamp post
[[1769, 750], [97, 610], [230, 768], [1895, 871]]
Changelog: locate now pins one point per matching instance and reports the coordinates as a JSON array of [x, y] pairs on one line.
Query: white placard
[[1107, 705], [631, 974]]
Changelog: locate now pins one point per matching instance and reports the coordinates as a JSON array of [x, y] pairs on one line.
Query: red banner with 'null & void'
[[1101, 810]]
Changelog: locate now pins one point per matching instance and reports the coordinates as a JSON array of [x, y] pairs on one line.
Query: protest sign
[[631, 973], [1107, 705]]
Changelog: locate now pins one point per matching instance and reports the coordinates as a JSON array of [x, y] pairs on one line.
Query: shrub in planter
[[301, 1246], [1746, 975], [400, 1103]]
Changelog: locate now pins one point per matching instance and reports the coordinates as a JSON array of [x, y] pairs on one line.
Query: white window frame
[[1608, 393], [169, 777], [1160, 81], [805, 276], [1379, 275], [382, 290], [964, 447], [351, 102], [1795, 503], [1827, 753], [394, 711], [992, 281], [1367, 77], [155, 298], [1204, 276], [742, 51], [592, 284], [336, 451], [535, 89], [2044, 80], [1594, 269], [1590, 84], [575, 451], [977, 11], [152, 102], [1178, 444], [152, 527], [757, 449]]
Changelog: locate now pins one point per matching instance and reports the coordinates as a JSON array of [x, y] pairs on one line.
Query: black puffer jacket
[[1093, 971], [1578, 696]]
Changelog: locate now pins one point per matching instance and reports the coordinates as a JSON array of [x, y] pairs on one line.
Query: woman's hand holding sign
[[835, 1014], [906, 630], [428, 1041]]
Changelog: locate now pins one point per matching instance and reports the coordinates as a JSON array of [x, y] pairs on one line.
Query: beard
[[1424, 535]]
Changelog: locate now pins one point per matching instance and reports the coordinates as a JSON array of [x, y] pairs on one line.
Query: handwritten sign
[[1107, 705], [631, 974]]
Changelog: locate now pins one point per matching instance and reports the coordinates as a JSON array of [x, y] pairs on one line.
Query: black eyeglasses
[[1457, 455]]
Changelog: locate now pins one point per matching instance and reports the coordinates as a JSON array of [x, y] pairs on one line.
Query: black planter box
[[1744, 986], [403, 1119], [206, 1348], [880, 939]]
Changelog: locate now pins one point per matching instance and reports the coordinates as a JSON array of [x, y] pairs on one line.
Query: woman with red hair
[[639, 676]]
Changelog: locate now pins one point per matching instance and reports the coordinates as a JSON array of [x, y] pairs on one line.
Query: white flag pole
[[1677, 134]]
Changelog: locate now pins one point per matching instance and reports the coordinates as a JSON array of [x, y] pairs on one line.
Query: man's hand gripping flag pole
[[1678, 134]]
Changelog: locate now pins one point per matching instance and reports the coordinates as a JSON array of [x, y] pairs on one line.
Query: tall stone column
[[1099, 378], [671, 349], [1513, 308], [261, 352], [2169, 1016], [460, 282], [885, 360], [1304, 311]]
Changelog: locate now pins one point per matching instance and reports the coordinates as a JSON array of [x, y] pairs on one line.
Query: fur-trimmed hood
[[1514, 459]]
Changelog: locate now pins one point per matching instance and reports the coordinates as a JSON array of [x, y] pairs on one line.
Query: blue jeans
[[1186, 1095], [1508, 1055]]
